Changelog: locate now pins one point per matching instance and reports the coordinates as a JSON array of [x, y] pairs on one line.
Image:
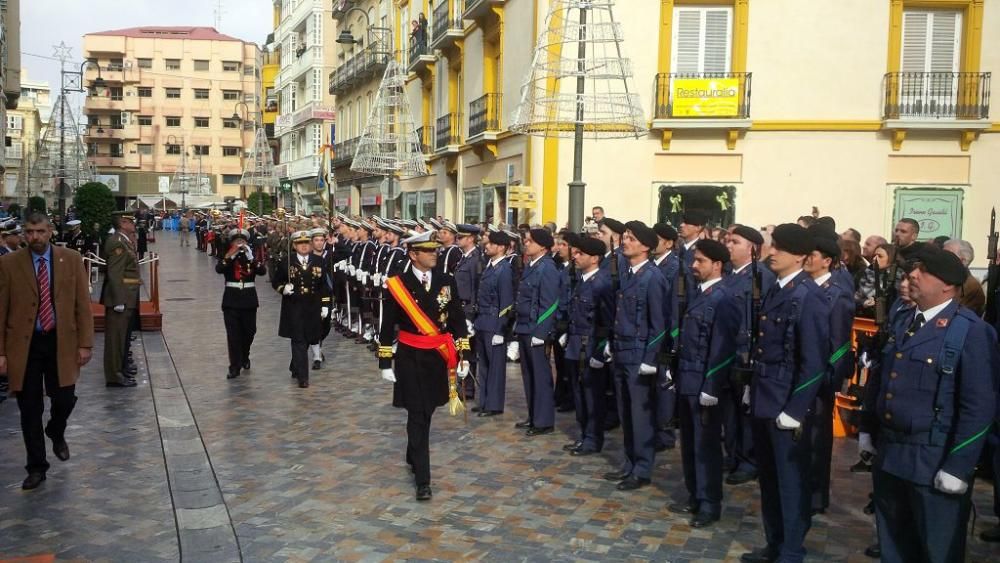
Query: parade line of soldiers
[[735, 350]]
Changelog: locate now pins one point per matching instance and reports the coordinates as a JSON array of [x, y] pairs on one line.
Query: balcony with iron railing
[[362, 67], [475, 9], [340, 8], [702, 96], [420, 55], [937, 96], [343, 152], [424, 138], [447, 26], [448, 137], [100, 103], [112, 132], [484, 118]]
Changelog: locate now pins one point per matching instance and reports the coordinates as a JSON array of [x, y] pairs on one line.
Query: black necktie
[[918, 322]]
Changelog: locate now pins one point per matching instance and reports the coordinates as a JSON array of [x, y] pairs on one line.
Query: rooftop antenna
[[217, 13]]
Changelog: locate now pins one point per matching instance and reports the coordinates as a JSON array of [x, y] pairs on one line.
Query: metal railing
[[936, 95], [343, 152], [448, 131], [445, 20], [663, 95], [474, 5], [424, 138], [418, 48], [484, 114], [363, 65]]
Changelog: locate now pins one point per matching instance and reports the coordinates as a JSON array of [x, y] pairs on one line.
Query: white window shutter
[[702, 40], [914, 52], [717, 42], [945, 38], [931, 41], [687, 40]]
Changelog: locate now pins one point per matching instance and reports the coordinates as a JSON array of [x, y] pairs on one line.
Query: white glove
[[377, 279], [463, 369], [338, 266], [865, 443], [596, 364], [388, 375], [536, 341], [948, 483], [669, 378], [746, 396], [360, 275], [288, 289], [786, 422], [562, 341], [513, 351], [607, 351], [707, 400], [646, 369], [470, 328], [119, 308], [865, 360], [497, 340], [324, 312], [351, 270]]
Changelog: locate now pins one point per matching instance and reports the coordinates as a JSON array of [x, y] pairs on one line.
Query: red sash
[[429, 337]]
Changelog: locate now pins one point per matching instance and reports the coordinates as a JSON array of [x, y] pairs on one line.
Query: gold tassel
[[455, 405]]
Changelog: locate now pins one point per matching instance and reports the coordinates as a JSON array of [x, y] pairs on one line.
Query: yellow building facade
[[24, 130]]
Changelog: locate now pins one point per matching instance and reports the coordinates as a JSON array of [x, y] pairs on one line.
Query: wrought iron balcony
[[448, 24], [424, 138], [474, 9], [340, 8], [484, 115], [420, 54], [449, 133], [360, 68], [343, 152], [937, 95], [702, 95]]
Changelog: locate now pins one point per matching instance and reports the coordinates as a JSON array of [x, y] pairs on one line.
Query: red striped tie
[[46, 314]]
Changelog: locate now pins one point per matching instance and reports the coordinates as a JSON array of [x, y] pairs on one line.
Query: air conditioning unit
[[126, 118]]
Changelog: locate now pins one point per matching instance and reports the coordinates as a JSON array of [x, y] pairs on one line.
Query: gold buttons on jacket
[[899, 355], [888, 396], [888, 416], [893, 375]]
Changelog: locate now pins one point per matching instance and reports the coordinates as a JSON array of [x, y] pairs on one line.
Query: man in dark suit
[[239, 299], [48, 284], [304, 302], [425, 307]]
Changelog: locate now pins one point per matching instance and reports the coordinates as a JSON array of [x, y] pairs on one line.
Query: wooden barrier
[[150, 318], [847, 413]]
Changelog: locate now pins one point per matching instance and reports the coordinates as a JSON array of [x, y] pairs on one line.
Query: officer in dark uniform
[[494, 306], [934, 390], [791, 363], [449, 253], [75, 238], [691, 230], [743, 243], [467, 272], [240, 266], [431, 337], [588, 304], [610, 232], [535, 317], [839, 293], [666, 259], [707, 352], [304, 303], [325, 254], [636, 335]]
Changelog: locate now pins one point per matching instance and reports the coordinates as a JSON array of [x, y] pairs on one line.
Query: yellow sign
[[706, 97]]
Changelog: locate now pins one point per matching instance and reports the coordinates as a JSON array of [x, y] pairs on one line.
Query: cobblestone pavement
[[319, 475]]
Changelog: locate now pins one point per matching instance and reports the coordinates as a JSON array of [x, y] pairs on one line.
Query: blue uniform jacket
[[495, 298], [707, 346], [467, 280], [913, 441], [639, 326], [585, 306], [741, 285], [670, 267], [538, 299], [793, 349], [841, 301]]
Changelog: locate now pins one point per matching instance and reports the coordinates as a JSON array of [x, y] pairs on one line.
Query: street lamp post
[[242, 121], [172, 140], [71, 81]]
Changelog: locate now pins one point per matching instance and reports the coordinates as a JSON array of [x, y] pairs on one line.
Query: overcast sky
[[45, 23]]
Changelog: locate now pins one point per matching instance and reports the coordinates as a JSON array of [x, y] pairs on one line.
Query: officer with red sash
[[426, 309]]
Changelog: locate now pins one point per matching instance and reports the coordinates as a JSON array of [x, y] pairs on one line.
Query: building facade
[[25, 126], [172, 98], [306, 41], [10, 64]]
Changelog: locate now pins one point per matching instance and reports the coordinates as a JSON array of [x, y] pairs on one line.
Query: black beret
[[499, 237], [792, 238], [643, 234], [749, 233], [696, 217], [591, 246], [665, 231], [943, 265], [713, 250], [825, 241], [571, 238], [616, 227], [542, 237], [828, 222]]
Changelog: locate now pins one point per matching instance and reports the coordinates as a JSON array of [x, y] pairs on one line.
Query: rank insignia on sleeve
[[119, 250], [941, 323]]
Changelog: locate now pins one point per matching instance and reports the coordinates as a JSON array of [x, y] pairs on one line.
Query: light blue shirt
[[36, 259]]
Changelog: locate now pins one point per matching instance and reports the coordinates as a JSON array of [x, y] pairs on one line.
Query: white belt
[[240, 285]]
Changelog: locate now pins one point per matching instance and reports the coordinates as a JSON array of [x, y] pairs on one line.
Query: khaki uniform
[[121, 287]]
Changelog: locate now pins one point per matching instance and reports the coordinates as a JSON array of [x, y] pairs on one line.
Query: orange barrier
[[150, 318], [846, 415]]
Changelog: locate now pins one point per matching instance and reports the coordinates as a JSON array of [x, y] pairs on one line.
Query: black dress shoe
[[489, 413], [130, 370], [575, 445], [874, 551], [740, 477], [610, 427], [992, 535], [582, 452], [476, 409], [682, 508], [316, 364], [303, 384], [565, 408], [32, 481], [523, 424], [616, 475], [539, 431], [232, 375], [632, 483], [246, 364], [760, 555], [662, 448], [61, 449], [703, 519], [122, 383], [424, 492]]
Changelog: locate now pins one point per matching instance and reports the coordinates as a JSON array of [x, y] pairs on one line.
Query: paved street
[[190, 465]]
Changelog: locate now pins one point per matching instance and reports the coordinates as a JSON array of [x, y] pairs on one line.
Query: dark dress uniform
[[707, 352], [588, 303], [468, 270], [535, 317], [239, 307], [840, 366], [448, 258], [494, 301], [929, 417], [665, 397], [638, 330], [78, 242], [791, 363], [300, 320], [421, 374]]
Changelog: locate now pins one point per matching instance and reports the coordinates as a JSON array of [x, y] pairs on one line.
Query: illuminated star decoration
[[62, 52]]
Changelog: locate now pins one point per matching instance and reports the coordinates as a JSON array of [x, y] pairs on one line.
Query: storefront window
[[419, 204], [479, 205]]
